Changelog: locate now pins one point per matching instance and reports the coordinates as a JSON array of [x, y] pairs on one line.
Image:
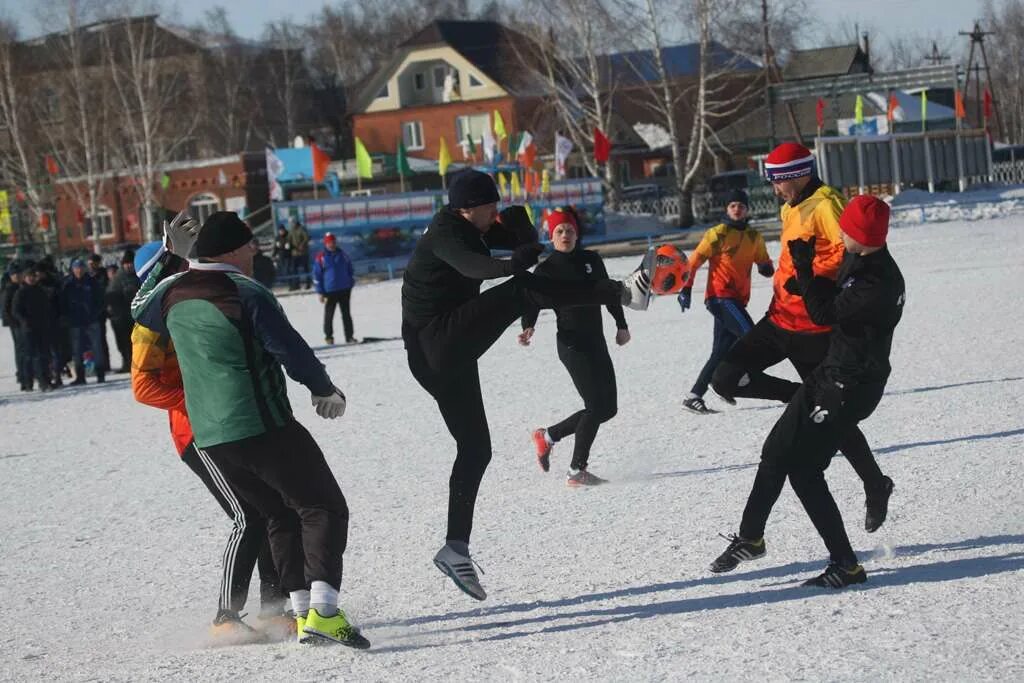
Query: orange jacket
[[732, 253], [817, 215], [156, 381]]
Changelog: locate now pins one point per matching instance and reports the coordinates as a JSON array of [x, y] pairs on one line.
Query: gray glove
[[180, 234], [330, 406]]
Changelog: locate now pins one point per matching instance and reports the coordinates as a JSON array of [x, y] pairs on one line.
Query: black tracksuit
[[583, 351], [9, 291], [447, 324], [864, 306], [30, 309]]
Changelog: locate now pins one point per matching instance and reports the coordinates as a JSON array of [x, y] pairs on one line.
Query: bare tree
[[288, 72], [1006, 61], [737, 24]]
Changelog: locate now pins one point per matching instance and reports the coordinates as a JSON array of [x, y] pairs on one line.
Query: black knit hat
[[737, 195], [128, 256], [472, 188], [222, 232]]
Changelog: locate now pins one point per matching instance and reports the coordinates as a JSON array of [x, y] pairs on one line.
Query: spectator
[[82, 306], [283, 253], [119, 297], [299, 239], [263, 270], [99, 274], [60, 337], [11, 284], [31, 311], [333, 279]]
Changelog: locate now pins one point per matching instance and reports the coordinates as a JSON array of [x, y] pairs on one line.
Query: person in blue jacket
[[333, 279], [81, 304]]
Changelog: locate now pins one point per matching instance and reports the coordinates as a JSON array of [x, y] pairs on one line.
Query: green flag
[[364, 165], [165, 181], [924, 108], [402, 162], [469, 144], [858, 110]]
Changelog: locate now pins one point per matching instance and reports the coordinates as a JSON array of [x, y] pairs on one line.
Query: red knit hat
[[787, 161], [558, 216], [866, 219]]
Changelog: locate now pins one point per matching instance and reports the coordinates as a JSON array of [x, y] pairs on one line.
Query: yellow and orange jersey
[[731, 252], [818, 215], [156, 381]]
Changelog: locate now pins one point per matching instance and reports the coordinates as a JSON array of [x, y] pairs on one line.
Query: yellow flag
[[858, 110], [364, 165], [545, 181], [503, 184], [499, 126], [529, 212], [517, 190], [444, 159]]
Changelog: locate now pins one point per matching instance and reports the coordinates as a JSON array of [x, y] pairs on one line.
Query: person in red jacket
[[156, 382]]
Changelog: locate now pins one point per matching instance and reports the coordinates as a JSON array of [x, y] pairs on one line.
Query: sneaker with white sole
[[460, 569], [577, 478], [637, 284]]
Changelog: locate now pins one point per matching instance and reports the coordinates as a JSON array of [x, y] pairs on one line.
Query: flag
[[489, 145], [51, 165], [517, 189], [321, 161], [444, 159], [527, 151], [499, 126], [530, 214], [987, 104], [545, 182], [364, 164], [468, 146], [858, 110], [222, 178], [165, 181], [402, 162], [958, 98], [819, 113], [602, 146], [893, 105], [275, 167], [530, 181], [924, 106], [503, 184], [563, 148]]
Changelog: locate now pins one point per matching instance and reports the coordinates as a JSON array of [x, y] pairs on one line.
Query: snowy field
[[110, 548]]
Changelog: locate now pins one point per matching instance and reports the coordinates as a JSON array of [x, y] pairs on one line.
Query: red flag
[[961, 111], [51, 165], [321, 160], [602, 146], [819, 112], [893, 104], [987, 104], [44, 221], [529, 182]]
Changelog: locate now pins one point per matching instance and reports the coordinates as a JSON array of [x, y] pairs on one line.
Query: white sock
[[691, 395], [300, 602], [323, 597]]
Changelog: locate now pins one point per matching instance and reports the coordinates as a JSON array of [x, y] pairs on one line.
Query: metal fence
[[1008, 172], [707, 206]]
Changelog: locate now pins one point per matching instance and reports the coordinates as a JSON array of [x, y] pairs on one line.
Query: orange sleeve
[[149, 356], [761, 251], [828, 247], [702, 252]]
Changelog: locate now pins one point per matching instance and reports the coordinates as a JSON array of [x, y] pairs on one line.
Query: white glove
[[180, 234], [331, 406]]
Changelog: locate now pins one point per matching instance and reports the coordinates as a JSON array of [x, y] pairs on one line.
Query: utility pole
[[769, 58], [977, 37]]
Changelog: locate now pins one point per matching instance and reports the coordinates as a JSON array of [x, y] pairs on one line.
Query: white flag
[[490, 146], [222, 178], [525, 140], [275, 167], [563, 148]]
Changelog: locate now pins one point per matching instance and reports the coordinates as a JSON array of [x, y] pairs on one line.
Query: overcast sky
[[883, 18]]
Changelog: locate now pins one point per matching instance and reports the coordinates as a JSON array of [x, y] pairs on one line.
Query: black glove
[[525, 256], [766, 269], [684, 299], [828, 399], [517, 221], [801, 252], [792, 285]]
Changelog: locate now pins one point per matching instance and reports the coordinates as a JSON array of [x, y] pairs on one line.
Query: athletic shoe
[[300, 630], [351, 340], [739, 550], [835, 576], [877, 504], [78, 381], [637, 284], [577, 478], [697, 405], [229, 629], [278, 627], [459, 568], [540, 442], [335, 628], [329, 341]]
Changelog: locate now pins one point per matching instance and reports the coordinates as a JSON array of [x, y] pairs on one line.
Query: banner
[[5, 214], [871, 125], [275, 167]]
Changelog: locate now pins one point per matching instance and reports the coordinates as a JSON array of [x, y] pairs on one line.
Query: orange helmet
[[671, 270]]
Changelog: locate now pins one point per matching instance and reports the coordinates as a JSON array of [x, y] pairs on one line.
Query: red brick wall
[[381, 131]]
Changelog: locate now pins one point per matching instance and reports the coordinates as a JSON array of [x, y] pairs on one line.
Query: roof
[[681, 61], [823, 62]]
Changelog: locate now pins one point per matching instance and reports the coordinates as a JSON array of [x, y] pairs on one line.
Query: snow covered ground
[[110, 548]]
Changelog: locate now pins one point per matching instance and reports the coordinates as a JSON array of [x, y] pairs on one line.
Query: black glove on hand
[[525, 256], [801, 252], [517, 221], [766, 269], [792, 285]]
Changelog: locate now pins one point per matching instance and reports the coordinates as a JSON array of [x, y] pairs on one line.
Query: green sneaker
[[334, 628]]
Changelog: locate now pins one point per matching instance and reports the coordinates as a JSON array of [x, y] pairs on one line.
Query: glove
[[766, 269], [792, 285], [517, 221], [330, 406], [684, 299], [525, 256], [829, 401], [801, 252], [180, 234]]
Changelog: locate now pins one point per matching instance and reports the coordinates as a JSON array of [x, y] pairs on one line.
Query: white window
[[474, 82], [101, 224], [473, 125], [624, 175], [383, 92], [419, 81], [202, 205], [412, 135]]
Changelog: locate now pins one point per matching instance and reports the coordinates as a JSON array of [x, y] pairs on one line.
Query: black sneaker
[[739, 550], [697, 405], [877, 504], [329, 341], [835, 576]]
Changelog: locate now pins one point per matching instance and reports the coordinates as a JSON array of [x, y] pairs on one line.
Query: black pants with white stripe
[[284, 476], [247, 546]]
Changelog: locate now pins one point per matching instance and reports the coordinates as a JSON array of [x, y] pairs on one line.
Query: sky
[[883, 18]]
